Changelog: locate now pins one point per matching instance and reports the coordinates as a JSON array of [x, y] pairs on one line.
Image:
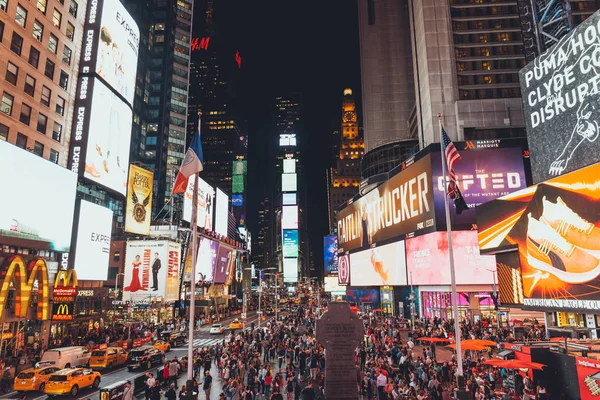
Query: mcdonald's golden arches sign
[[22, 276]]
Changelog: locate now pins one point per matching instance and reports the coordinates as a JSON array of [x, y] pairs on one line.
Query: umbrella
[[434, 340], [514, 364], [489, 343], [468, 346]]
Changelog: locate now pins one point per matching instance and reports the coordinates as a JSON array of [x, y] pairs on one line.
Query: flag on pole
[[452, 157], [192, 164]]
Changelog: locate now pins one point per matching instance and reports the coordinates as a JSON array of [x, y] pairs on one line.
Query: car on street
[[217, 329], [108, 358], [33, 379], [162, 345], [174, 338], [236, 324], [144, 357], [71, 380], [269, 311]]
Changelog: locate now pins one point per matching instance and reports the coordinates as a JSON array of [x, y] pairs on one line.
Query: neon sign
[[200, 43], [23, 279], [238, 59]]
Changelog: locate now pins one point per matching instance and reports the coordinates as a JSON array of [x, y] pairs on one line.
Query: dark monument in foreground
[[340, 331]]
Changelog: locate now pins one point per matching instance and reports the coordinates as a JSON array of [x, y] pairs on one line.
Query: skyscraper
[[261, 246]]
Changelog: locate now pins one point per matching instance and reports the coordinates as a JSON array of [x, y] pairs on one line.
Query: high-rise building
[[261, 246], [42, 43], [161, 96], [345, 177], [388, 91]]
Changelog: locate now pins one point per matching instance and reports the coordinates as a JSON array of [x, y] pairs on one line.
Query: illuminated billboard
[[138, 211], [206, 199], [289, 166], [207, 260], [344, 269], [92, 248], [38, 199], [237, 200], [290, 270], [330, 256], [222, 213], [225, 264], [151, 270], [240, 167], [289, 182], [237, 185], [554, 225], [332, 285], [290, 243], [379, 266], [287, 140], [289, 219], [289, 199]]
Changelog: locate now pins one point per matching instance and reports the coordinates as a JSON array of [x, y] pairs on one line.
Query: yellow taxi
[[162, 345], [33, 379], [71, 381], [108, 358], [236, 324]]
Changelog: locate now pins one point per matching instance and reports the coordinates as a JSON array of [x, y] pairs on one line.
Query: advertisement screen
[[149, 270], [207, 260], [401, 205], [287, 140], [117, 54], [330, 255], [510, 282], [289, 166], [225, 264], [555, 226], [240, 167], [290, 243], [561, 103], [237, 185], [92, 249], [332, 286], [289, 217], [222, 213], [237, 200], [38, 199], [109, 137], [588, 372], [379, 266], [289, 182], [483, 175], [428, 262], [290, 270], [206, 199], [289, 199], [139, 201], [344, 270]]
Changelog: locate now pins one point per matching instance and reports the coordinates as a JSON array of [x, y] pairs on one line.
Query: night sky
[[307, 46]]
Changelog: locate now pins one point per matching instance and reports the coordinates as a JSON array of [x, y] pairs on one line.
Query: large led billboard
[[344, 269], [152, 270], [289, 199], [206, 200], [287, 140], [240, 167], [428, 262], [330, 255], [92, 248], [289, 219], [111, 44], [290, 243], [290, 270], [401, 205], [237, 184], [289, 166], [38, 199], [206, 262], [225, 263], [332, 285], [289, 182], [379, 266], [138, 212], [237, 200], [554, 225], [561, 103], [222, 213]]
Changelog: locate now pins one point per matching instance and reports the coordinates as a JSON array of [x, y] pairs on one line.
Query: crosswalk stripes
[[205, 343]]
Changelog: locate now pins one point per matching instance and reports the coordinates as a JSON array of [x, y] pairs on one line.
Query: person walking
[[207, 385], [128, 391]]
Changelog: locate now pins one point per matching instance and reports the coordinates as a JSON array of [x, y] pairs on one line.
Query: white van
[[66, 357]]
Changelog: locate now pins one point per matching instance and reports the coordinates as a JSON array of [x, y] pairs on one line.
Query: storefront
[[387, 300], [472, 305]]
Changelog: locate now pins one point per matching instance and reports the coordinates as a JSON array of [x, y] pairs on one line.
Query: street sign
[[259, 312], [243, 315]]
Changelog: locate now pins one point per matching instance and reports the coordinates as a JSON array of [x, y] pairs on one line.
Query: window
[[1, 30], [7, 103], [25, 116], [159, 27], [64, 80], [38, 30], [42, 5], [70, 31], [3, 5], [66, 57], [12, 72], [16, 44], [49, 71], [53, 156], [34, 56], [57, 131], [46, 93], [116, 256], [21, 141], [3, 132], [29, 85], [371, 11], [21, 15], [53, 43], [60, 105], [42, 123], [38, 149], [56, 18], [73, 8]]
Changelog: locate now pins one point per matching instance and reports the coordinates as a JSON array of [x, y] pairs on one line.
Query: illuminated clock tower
[[345, 176]]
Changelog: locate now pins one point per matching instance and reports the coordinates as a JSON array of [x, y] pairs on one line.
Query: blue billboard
[[290, 243], [330, 249], [237, 200]]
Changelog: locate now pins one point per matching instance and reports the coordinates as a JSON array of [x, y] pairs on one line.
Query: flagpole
[[194, 226], [459, 375]]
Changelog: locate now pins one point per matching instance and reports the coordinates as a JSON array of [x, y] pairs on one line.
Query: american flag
[[452, 157]]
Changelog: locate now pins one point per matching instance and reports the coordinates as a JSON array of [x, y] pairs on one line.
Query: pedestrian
[[149, 385], [171, 394], [128, 391], [173, 372], [207, 385], [308, 393]]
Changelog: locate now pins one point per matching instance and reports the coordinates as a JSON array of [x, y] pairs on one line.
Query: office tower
[[345, 177], [261, 246], [161, 96], [42, 46], [387, 72]]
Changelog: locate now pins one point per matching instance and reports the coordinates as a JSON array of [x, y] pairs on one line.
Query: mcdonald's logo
[[22, 278], [62, 311], [68, 277]]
